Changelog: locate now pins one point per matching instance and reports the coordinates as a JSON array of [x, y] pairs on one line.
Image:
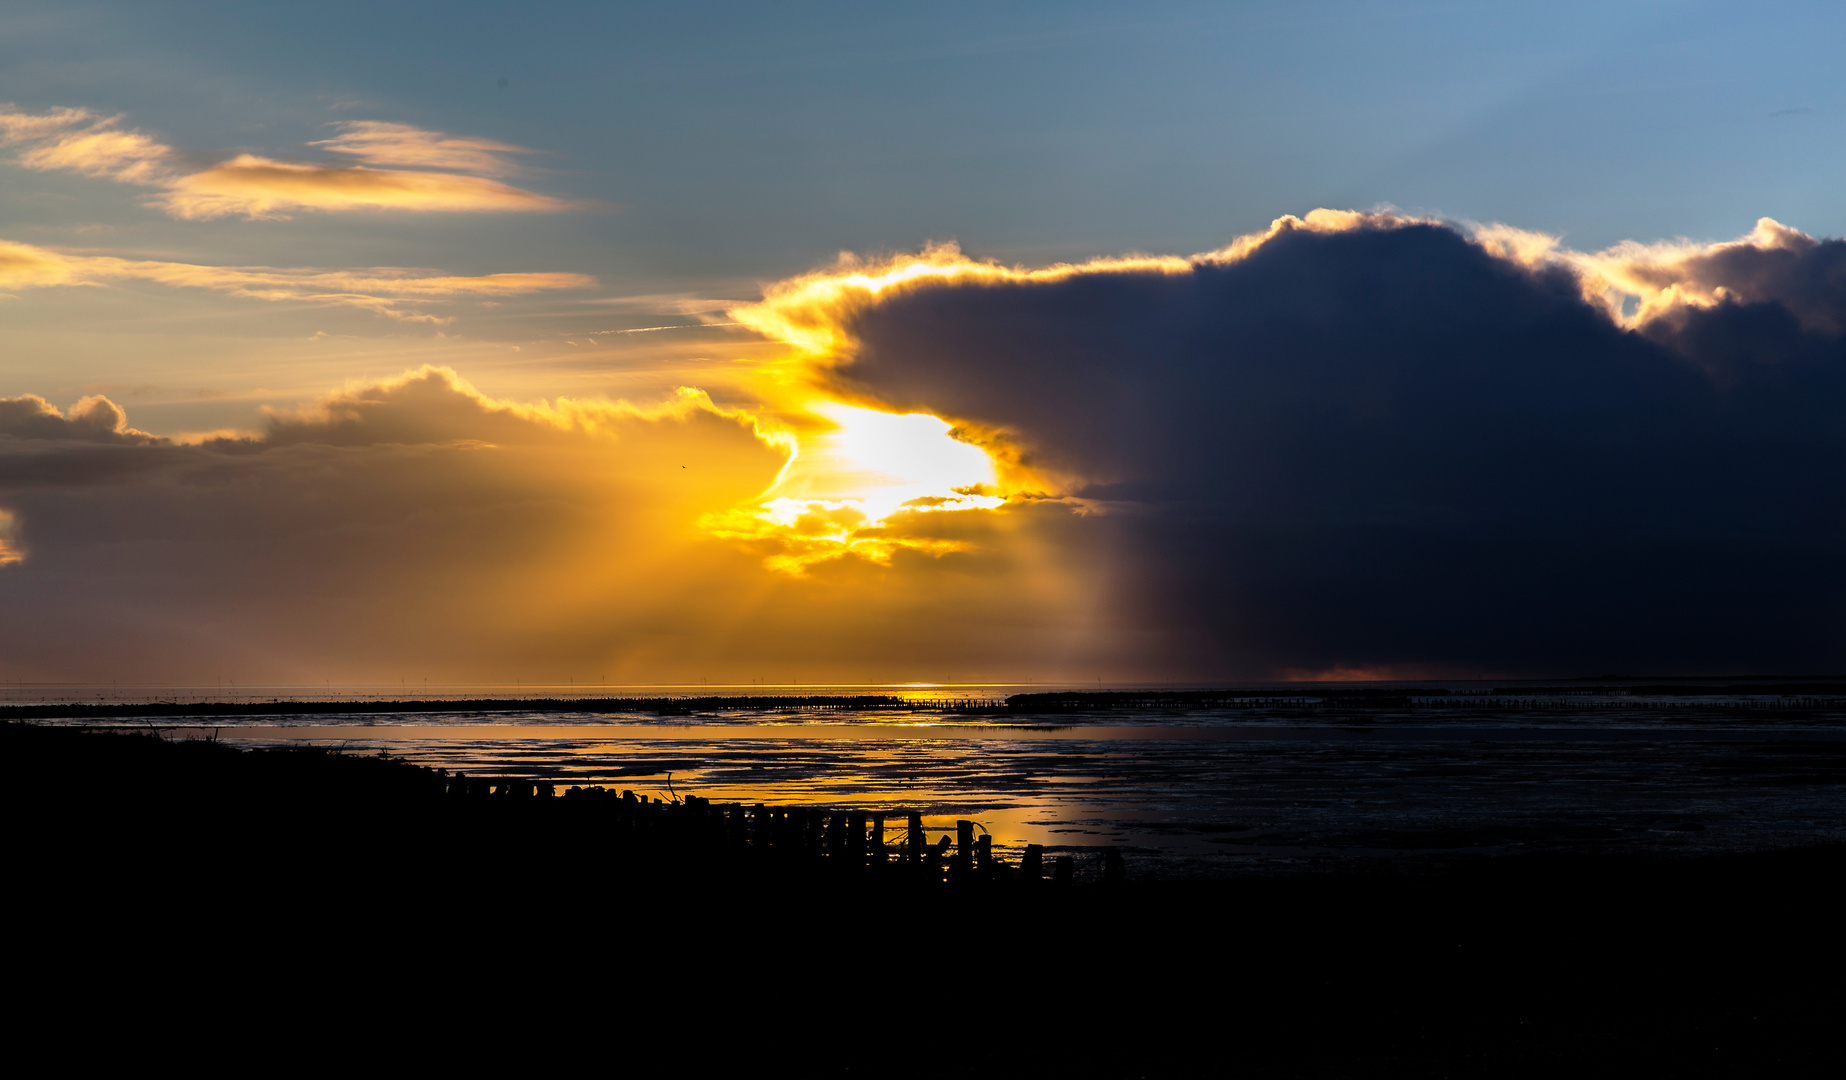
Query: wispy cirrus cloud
[[381, 290], [258, 187], [376, 142], [76, 140], [400, 168]]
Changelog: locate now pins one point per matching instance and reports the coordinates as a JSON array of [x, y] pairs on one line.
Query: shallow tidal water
[[1209, 792]]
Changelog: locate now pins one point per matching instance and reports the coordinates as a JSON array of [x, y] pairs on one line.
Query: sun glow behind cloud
[[953, 437], [846, 483], [864, 480]]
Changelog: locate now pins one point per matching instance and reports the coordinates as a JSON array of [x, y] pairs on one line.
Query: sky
[[872, 344]]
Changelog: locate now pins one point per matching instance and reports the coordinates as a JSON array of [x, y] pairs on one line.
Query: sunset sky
[[959, 343]]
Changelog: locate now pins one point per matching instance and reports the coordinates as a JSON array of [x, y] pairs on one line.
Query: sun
[[856, 471]]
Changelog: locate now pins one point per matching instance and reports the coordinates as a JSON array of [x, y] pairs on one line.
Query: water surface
[[1219, 791]]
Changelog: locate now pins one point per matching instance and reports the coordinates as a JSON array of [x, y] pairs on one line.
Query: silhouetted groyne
[[788, 839], [85, 784]]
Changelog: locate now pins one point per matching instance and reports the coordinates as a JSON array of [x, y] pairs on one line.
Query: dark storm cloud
[[1390, 447]]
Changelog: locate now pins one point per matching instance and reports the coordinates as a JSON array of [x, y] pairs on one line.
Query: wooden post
[[855, 839], [759, 826], [964, 851], [878, 839], [739, 827], [983, 856], [916, 841], [1032, 865], [836, 836], [932, 869]]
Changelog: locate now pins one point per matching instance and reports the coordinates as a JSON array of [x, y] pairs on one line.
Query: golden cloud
[[25, 266], [376, 142], [437, 172], [93, 419], [1631, 282], [11, 551], [875, 481], [812, 312], [1636, 283], [79, 141], [1279, 513], [1663, 277], [255, 187], [829, 503], [1305, 436], [382, 290], [417, 526]]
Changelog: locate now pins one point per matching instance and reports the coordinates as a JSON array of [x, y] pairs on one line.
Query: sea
[[1253, 785]]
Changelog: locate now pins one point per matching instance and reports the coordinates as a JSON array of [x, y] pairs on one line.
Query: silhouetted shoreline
[[1505, 966], [79, 781], [1760, 694]]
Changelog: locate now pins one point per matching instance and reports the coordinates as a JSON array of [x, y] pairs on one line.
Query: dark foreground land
[[205, 892]]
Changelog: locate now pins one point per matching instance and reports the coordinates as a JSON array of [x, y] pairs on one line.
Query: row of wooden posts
[[842, 840]]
